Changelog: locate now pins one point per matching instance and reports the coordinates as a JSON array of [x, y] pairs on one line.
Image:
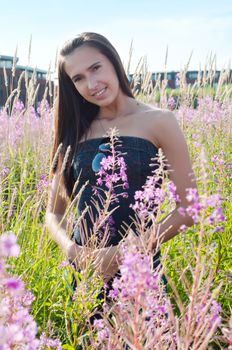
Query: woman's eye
[[77, 79], [96, 67]]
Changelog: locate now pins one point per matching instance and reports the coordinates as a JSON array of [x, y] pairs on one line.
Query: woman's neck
[[119, 109]]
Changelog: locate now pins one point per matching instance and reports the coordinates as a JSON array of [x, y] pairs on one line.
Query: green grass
[[38, 264]]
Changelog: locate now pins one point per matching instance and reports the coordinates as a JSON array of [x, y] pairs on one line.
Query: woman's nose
[[92, 83]]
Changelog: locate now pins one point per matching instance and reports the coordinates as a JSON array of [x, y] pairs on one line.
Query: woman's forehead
[[82, 58]]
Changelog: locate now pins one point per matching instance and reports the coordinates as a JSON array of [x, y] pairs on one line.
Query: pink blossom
[[8, 245], [14, 285], [18, 330]]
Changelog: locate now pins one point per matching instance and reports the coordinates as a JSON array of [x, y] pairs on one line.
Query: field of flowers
[[38, 309]]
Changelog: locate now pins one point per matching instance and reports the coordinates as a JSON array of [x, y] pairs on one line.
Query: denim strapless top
[[138, 153]]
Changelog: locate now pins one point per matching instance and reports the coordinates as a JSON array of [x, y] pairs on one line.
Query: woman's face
[[93, 75]]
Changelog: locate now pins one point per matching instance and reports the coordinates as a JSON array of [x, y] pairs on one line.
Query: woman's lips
[[100, 94]]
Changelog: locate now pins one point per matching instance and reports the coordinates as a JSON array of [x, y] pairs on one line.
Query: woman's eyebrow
[[89, 68]]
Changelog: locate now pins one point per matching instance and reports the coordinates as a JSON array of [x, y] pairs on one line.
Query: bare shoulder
[[157, 115], [160, 115], [163, 124]]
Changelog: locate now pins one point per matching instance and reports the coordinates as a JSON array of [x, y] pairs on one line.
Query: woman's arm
[[174, 146], [55, 222]]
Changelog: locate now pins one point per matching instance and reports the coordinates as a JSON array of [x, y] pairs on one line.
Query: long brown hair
[[73, 115]]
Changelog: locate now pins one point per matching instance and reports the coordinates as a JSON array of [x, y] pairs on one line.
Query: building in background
[[172, 78], [8, 63], [136, 80]]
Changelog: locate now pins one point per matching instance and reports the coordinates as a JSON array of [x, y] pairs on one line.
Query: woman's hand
[[77, 255], [105, 260]]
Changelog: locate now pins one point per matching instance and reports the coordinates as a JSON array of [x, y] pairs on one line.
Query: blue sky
[[202, 26]]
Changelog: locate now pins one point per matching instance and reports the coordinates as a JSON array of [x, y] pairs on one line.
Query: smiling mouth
[[99, 93]]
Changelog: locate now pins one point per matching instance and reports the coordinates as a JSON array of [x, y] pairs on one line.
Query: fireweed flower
[[112, 173], [111, 184], [141, 314], [171, 103], [177, 80], [217, 161], [148, 199], [17, 327], [24, 128], [210, 111], [63, 264], [43, 183], [102, 330], [156, 196], [152, 196], [227, 332], [138, 280], [8, 245], [200, 320], [18, 107], [108, 223], [139, 304], [47, 343], [199, 204], [229, 170], [14, 285], [187, 113], [4, 172], [207, 312], [43, 107], [172, 190], [215, 311]]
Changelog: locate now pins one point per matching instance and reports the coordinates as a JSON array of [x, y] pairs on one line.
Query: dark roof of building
[[30, 69], [8, 58]]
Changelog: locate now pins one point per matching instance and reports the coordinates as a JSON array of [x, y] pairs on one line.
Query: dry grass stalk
[[35, 95], [29, 51], [137, 75], [5, 81], [223, 79], [199, 77], [41, 241], [5, 77], [39, 204], [146, 83], [76, 184], [26, 79], [130, 57], [11, 206], [65, 160], [56, 60], [31, 89], [80, 219], [73, 202], [8, 101], [24, 175], [23, 206], [43, 102], [13, 69], [16, 98], [55, 160], [48, 72], [50, 88]]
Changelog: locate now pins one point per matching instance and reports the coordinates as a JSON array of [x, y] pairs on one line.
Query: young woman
[[94, 95]]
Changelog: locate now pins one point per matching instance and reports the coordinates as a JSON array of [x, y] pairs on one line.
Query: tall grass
[[197, 262]]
